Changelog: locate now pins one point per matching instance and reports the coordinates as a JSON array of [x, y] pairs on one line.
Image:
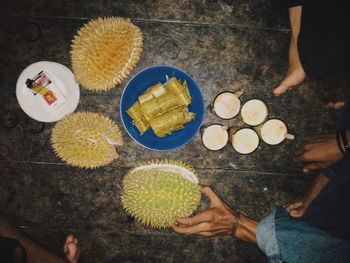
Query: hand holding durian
[[219, 219]]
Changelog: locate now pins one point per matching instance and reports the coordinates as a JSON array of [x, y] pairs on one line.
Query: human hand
[[219, 219], [320, 151]]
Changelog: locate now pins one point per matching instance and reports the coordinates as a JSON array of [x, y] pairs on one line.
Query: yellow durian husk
[[155, 192], [86, 139], [104, 52]]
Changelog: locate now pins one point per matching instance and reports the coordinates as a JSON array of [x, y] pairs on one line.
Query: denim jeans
[[284, 239]]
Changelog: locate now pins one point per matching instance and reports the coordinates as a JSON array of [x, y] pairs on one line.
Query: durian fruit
[[86, 139], [104, 52], [156, 191]]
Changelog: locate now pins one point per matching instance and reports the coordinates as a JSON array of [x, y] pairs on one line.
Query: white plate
[[62, 77]]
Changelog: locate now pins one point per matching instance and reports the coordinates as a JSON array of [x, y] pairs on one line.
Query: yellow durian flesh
[[142, 125], [163, 107], [86, 139], [156, 192], [151, 109], [157, 90], [184, 98], [171, 121], [145, 97], [134, 111], [167, 102], [174, 86]]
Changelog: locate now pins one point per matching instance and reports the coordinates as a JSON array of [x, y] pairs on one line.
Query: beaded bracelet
[[339, 144], [345, 141]]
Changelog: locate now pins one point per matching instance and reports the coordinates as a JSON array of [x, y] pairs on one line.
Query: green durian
[[157, 191]]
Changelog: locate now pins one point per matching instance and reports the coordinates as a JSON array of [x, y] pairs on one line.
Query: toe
[[282, 88], [293, 78]]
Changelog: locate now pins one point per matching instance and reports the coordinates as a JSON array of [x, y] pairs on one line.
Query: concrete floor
[[223, 45]]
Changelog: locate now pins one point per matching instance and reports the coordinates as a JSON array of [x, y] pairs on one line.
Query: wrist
[[343, 137], [246, 229]]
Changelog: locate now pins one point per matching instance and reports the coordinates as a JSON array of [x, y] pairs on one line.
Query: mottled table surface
[[223, 45]]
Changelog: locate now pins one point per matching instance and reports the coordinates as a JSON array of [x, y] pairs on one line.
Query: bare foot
[[299, 206], [295, 73], [71, 249]]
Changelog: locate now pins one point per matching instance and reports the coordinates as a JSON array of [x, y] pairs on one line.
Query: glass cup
[[273, 132], [226, 104], [254, 112], [244, 140], [214, 137]]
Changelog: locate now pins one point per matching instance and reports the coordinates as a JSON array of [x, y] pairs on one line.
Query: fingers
[[304, 153], [214, 198], [190, 230], [302, 157], [318, 138], [314, 166], [202, 217], [211, 233]]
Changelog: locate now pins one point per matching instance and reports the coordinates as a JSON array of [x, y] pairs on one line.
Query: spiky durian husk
[[156, 191], [86, 139], [105, 51]]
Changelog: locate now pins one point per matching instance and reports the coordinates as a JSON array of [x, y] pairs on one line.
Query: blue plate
[[137, 85]]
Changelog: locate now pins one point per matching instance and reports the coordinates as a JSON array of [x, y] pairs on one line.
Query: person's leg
[[35, 252], [295, 73]]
